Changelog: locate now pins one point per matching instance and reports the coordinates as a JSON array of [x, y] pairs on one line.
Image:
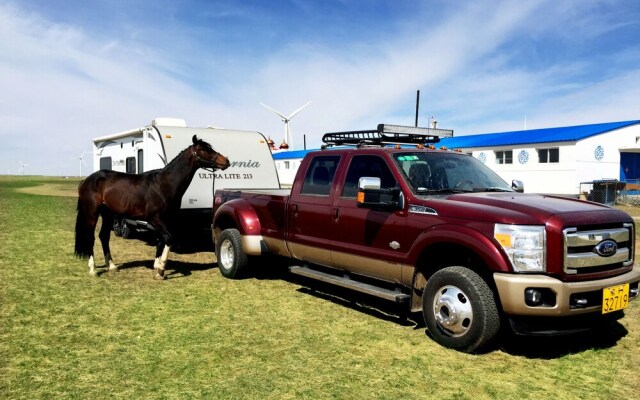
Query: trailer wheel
[[232, 260], [117, 226], [460, 310], [125, 230]]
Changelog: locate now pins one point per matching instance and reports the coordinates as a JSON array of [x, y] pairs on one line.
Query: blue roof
[[532, 136], [547, 135], [288, 154]]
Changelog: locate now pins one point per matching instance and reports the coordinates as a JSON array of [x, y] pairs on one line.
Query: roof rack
[[386, 134]]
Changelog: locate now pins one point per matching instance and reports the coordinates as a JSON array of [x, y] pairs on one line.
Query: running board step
[[349, 283]]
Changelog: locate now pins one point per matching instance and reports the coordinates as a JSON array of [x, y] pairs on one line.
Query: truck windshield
[[440, 172]]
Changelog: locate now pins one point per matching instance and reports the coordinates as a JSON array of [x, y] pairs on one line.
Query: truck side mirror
[[370, 195], [518, 186]]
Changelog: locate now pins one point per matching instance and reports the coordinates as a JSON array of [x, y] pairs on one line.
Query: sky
[[73, 70]]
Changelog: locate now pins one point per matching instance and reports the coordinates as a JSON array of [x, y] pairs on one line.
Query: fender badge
[[394, 245]]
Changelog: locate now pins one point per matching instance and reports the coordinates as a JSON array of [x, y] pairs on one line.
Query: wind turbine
[[22, 165], [287, 132], [81, 158]]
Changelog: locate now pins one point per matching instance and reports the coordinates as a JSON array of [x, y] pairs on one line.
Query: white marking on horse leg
[[92, 266], [156, 263], [165, 255], [162, 262], [112, 266]]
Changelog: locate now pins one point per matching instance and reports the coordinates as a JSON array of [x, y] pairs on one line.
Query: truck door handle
[[294, 209], [336, 214]]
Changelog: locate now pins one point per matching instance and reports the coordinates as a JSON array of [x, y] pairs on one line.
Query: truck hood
[[519, 208]]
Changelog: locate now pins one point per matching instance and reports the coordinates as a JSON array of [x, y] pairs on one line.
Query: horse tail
[[84, 232]]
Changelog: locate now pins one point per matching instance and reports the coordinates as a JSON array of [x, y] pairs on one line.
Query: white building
[[550, 160]]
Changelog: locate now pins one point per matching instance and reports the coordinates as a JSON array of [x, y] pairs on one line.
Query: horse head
[[207, 157]]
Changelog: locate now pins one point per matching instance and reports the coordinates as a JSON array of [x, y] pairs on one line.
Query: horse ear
[[195, 139]]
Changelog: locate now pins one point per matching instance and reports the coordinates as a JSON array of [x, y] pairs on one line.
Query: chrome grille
[[579, 249]]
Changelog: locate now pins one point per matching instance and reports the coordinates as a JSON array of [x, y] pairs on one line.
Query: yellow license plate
[[615, 298]]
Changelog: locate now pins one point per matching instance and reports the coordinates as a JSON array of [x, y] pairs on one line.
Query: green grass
[[125, 335]]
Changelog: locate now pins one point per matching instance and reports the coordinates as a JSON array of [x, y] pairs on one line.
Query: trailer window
[[105, 163], [140, 162], [131, 165]]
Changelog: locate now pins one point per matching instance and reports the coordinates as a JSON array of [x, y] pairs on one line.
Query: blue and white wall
[[593, 158]]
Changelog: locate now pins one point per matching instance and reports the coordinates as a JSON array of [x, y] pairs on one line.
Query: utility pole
[[417, 106]]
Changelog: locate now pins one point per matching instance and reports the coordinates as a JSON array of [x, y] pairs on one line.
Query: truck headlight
[[524, 244]]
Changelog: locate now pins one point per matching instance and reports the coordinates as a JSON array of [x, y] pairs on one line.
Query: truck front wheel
[[232, 260], [460, 310]]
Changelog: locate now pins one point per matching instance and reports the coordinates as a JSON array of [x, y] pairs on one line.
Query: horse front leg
[[163, 247], [105, 236], [159, 248], [162, 261], [165, 241]]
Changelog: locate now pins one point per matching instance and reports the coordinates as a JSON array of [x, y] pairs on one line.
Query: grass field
[[125, 335]]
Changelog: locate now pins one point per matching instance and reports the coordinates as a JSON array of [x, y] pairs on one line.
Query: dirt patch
[[51, 189]]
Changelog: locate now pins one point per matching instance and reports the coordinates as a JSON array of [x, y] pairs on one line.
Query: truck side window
[[319, 176], [371, 166]]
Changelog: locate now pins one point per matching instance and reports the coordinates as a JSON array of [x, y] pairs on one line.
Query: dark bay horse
[[154, 196]]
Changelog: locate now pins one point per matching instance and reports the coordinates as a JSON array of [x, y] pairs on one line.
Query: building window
[[551, 155], [504, 157], [286, 165]]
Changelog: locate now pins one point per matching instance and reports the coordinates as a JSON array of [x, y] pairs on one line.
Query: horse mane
[[173, 164]]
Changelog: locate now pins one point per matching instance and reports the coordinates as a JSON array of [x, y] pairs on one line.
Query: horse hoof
[[93, 273], [161, 277]]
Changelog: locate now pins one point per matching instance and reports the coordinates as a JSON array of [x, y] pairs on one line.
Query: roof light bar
[[414, 130]]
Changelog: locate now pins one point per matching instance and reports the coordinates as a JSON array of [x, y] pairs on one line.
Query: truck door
[[309, 220], [368, 242]]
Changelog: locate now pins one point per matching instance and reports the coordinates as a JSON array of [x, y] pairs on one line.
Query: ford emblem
[[606, 248]]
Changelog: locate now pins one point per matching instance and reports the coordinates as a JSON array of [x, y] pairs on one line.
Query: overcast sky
[[72, 70]]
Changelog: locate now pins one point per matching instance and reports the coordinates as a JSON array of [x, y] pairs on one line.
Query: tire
[[460, 310], [233, 262], [126, 231], [117, 226]]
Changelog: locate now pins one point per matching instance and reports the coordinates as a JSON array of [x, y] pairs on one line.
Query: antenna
[[287, 132]]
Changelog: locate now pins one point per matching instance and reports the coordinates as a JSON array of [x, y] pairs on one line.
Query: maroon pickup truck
[[385, 213]]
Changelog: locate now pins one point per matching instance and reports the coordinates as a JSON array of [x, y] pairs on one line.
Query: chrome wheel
[[226, 255], [452, 310]]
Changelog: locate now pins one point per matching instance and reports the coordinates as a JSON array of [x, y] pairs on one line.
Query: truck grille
[[580, 255]]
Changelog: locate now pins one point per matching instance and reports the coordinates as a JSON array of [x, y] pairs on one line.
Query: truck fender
[[448, 236], [485, 248], [239, 214]]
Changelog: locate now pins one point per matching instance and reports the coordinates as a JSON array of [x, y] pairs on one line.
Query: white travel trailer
[[152, 147]]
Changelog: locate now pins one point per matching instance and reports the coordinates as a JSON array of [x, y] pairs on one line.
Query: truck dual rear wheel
[[460, 310], [232, 260]]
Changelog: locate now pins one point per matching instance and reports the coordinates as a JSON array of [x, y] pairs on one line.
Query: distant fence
[[612, 191]]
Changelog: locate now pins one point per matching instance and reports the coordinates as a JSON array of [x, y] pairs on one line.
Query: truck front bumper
[[563, 298]]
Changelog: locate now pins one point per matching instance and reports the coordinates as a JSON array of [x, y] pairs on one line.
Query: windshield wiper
[[492, 189], [443, 190]]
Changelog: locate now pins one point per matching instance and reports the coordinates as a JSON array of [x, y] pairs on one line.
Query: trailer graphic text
[[209, 175]]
